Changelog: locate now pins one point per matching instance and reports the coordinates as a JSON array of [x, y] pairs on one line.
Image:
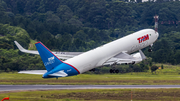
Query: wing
[[61, 55], [123, 57], [66, 55]]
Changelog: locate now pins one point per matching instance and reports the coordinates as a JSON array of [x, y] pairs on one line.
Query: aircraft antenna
[[156, 22]]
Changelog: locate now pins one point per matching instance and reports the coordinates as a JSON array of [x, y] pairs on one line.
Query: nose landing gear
[[150, 48]]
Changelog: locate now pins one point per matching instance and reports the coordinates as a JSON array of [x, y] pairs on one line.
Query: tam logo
[[50, 61], [51, 58], [143, 38]]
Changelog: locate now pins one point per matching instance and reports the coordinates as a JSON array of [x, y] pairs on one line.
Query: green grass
[[32, 45], [169, 68], [95, 94], [167, 76], [93, 79]]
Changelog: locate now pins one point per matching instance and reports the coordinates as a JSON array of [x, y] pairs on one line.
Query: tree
[[64, 12], [162, 67], [80, 35], [52, 18], [153, 68], [75, 22]]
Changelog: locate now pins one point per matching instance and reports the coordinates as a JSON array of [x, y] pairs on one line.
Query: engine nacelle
[[137, 56]]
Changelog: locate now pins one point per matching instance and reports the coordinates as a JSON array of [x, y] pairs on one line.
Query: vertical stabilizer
[[49, 59]]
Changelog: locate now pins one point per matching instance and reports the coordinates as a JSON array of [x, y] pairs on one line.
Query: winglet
[[25, 50], [19, 46]]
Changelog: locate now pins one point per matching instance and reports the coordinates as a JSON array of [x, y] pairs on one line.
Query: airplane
[[113, 53]]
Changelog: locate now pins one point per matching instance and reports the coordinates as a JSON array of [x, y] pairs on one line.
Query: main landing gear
[[113, 70]]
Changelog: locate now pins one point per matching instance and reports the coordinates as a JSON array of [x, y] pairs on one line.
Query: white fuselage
[[96, 57]]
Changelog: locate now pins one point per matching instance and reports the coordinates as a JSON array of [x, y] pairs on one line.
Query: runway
[[56, 87]]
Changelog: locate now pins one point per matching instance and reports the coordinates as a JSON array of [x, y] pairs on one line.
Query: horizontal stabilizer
[[33, 72], [59, 74], [41, 72]]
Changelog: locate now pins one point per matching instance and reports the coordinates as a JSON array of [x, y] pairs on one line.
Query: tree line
[[81, 25]]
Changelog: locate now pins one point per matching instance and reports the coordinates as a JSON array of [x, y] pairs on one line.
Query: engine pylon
[[156, 17]]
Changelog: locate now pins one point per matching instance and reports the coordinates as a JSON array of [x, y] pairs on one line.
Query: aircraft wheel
[[117, 71], [111, 70], [133, 62], [149, 50]]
